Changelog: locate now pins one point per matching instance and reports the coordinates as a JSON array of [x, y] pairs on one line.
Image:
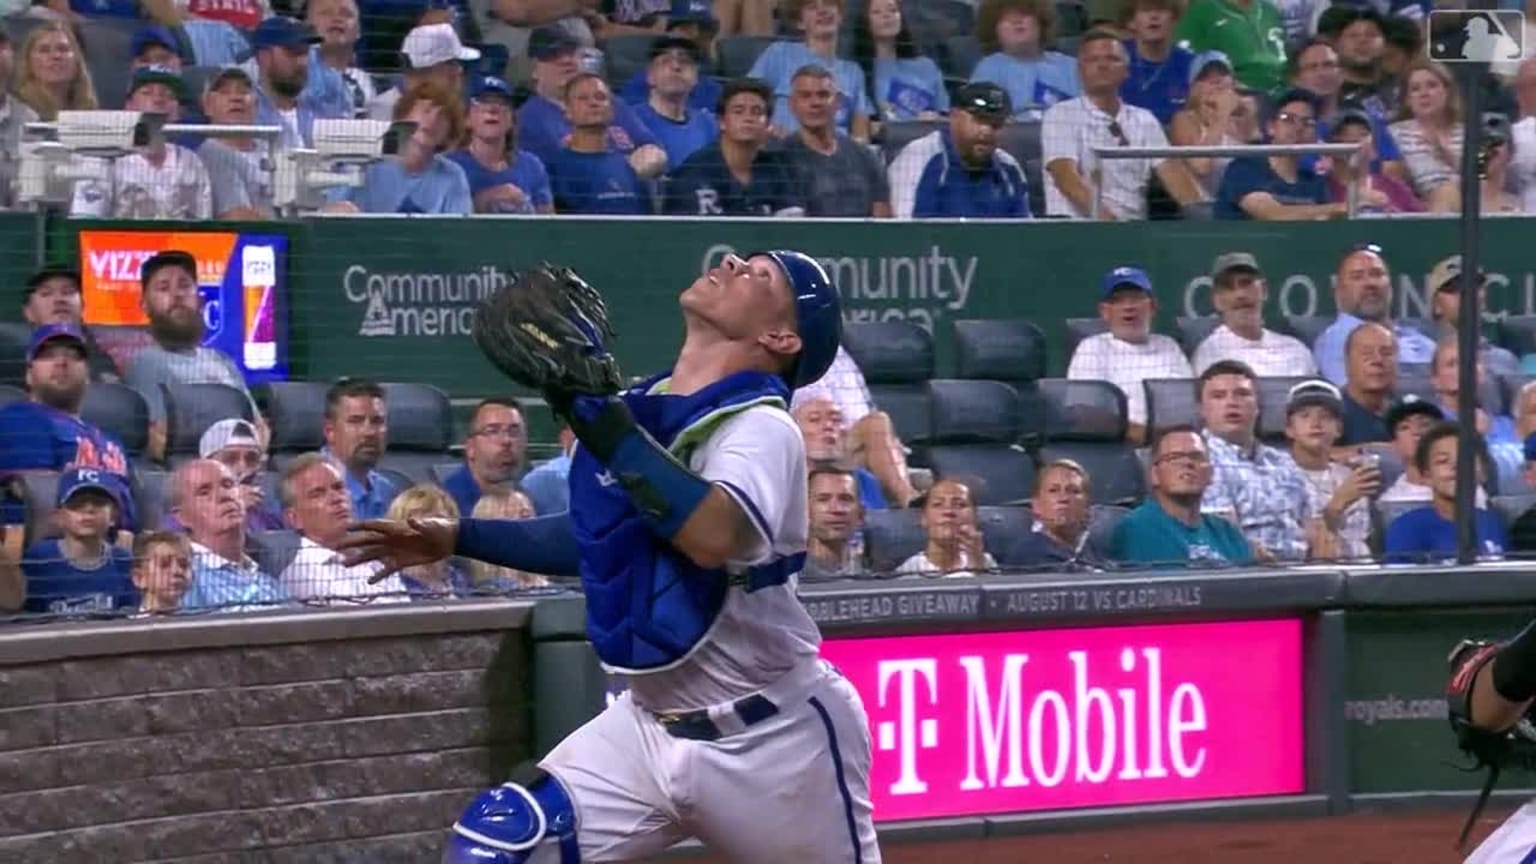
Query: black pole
[[1469, 331]]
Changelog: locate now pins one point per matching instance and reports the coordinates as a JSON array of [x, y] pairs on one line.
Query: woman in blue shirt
[[907, 85], [1013, 34], [420, 179], [503, 178]]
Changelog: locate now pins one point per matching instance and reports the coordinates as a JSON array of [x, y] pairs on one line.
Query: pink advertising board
[[1012, 722]]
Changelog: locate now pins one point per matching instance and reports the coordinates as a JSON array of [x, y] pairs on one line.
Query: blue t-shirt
[[548, 486], [463, 489], [1250, 174], [777, 66], [1424, 535], [907, 86], [440, 189], [105, 8], [34, 437], [704, 97], [1031, 84], [1161, 88], [870, 494], [524, 170], [680, 139], [56, 586], [542, 128], [1381, 139], [601, 184], [705, 186], [1149, 536]]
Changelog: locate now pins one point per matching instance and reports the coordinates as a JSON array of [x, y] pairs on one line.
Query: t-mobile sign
[[1013, 722]]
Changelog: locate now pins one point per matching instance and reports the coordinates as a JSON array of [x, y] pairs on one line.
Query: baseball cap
[[53, 332], [490, 84], [233, 432], [1407, 407], [281, 32], [692, 12], [1446, 276], [51, 271], [1314, 392], [548, 43], [78, 480], [168, 258], [152, 35], [1126, 277], [432, 44], [674, 43], [983, 100], [157, 74], [1350, 117], [1234, 261], [225, 73], [1205, 60], [1336, 18]]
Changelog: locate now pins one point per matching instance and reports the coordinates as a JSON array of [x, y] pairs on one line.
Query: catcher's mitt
[[549, 330], [1515, 747]]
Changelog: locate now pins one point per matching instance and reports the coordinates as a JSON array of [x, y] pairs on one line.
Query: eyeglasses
[[1301, 120], [498, 432]]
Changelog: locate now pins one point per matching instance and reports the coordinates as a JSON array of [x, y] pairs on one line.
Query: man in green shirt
[[1250, 32], [1168, 529]]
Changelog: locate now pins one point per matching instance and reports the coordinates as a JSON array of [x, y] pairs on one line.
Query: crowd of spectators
[[802, 108]]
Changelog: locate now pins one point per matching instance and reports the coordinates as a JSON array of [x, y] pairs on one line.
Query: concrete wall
[[355, 735]]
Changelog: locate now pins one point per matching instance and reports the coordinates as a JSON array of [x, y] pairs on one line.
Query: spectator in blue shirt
[[1158, 78], [737, 176], [693, 20], [959, 172], [821, 425], [1013, 33], [543, 121], [205, 499], [673, 75], [1279, 188], [1059, 538], [1315, 68], [1168, 529], [281, 48], [819, 20], [503, 177], [420, 178], [906, 85], [1363, 292], [154, 46], [587, 175], [548, 484], [494, 451], [356, 433], [1429, 533], [82, 572]]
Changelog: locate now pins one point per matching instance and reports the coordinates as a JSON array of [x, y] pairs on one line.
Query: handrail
[[210, 130], [1109, 151]]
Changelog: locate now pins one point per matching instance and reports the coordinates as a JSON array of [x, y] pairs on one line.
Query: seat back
[[273, 551], [626, 54], [1079, 329], [961, 54], [120, 411], [1518, 334], [1115, 475], [40, 491], [1274, 397], [420, 418], [738, 53], [151, 496], [1001, 526], [1022, 140], [295, 411], [1308, 327], [107, 46], [1510, 507], [999, 349], [899, 133], [191, 408], [1170, 402], [910, 410], [1102, 521], [9, 394], [1193, 331], [1081, 411], [14, 336], [890, 352], [974, 412], [891, 537]]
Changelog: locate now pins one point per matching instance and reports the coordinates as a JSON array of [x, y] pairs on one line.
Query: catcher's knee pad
[[508, 824]]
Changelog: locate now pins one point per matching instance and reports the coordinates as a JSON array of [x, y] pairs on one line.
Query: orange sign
[[110, 262]]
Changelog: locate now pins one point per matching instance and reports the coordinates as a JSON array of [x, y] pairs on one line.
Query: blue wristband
[[662, 489]]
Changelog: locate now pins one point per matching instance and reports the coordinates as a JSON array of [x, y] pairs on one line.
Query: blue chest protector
[[648, 605]]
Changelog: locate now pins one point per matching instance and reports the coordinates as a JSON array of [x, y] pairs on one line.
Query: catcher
[[1490, 695], [688, 529]]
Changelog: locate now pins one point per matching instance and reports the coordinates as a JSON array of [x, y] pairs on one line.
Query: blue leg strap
[[508, 824]]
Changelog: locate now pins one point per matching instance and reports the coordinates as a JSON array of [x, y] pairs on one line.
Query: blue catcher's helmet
[[818, 314]]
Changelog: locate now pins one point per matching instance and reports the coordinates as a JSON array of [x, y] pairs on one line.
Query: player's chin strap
[[663, 490]]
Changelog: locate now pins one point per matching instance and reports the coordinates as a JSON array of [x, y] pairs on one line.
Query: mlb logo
[[1485, 36]]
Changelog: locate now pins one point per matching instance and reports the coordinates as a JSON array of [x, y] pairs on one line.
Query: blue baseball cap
[[158, 75], [490, 84], [51, 333], [78, 480], [692, 12], [281, 32], [153, 35], [550, 42], [1126, 277], [1206, 59]]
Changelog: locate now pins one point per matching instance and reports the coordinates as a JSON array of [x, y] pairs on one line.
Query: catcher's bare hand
[[398, 545]]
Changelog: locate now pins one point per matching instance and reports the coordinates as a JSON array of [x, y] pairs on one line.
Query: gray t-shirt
[[154, 366], [847, 183], [240, 178]]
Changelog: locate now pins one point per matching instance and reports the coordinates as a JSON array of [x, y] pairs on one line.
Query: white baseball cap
[[234, 432], [431, 44]]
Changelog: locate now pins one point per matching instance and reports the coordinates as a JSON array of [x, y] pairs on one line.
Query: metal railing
[[206, 130], [1230, 152]]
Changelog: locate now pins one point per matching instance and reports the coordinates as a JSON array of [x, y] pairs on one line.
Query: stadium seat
[[627, 54], [961, 54], [420, 429], [120, 411], [41, 493], [295, 411], [1308, 327], [440, 472], [14, 336], [1274, 395], [891, 537], [1022, 141], [1079, 329], [976, 427], [895, 357], [191, 408], [999, 349], [899, 133], [152, 497], [932, 23], [1518, 334], [1415, 385], [1085, 421], [1102, 521], [1510, 507], [273, 551], [1072, 19], [1000, 525], [738, 53], [195, 78], [9, 394], [1192, 331], [1170, 402], [106, 43]]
